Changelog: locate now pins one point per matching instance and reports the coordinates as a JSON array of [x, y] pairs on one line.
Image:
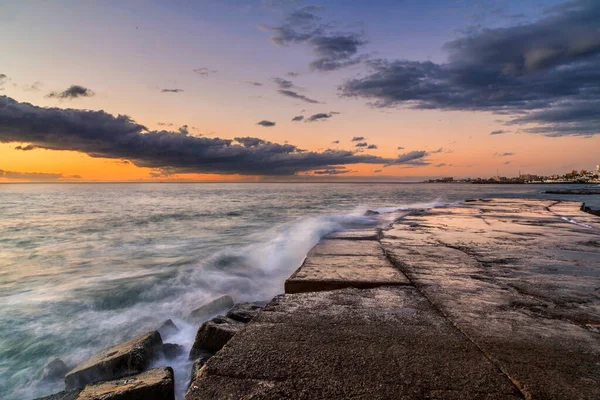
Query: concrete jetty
[[491, 299]]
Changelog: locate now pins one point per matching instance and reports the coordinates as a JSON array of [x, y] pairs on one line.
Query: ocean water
[[87, 266]]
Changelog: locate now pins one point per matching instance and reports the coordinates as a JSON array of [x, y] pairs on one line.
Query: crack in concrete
[[490, 357]]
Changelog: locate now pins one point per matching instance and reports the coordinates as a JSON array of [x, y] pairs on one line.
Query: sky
[[287, 90]]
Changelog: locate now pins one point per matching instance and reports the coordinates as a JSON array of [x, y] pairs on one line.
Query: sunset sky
[[284, 90]]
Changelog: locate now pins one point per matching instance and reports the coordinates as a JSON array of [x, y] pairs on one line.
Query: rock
[[167, 329], [155, 384], [244, 312], [64, 395], [213, 335], [198, 364], [124, 359], [55, 369], [213, 307], [370, 213], [171, 350]]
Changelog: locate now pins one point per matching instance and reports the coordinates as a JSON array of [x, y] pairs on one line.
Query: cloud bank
[[99, 134], [544, 73]]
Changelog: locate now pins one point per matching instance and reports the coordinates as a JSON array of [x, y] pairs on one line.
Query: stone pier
[[492, 299]]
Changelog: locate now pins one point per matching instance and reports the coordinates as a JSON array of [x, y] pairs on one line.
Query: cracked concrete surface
[[493, 299]]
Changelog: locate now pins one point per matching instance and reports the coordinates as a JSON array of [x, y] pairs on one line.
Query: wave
[[110, 309]]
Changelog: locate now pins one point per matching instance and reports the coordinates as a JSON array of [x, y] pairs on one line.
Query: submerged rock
[[244, 312], [171, 350], [370, 213], [55, 369], [167, 329], [124, 359], [213, 335], [207, 310], [155, 384]]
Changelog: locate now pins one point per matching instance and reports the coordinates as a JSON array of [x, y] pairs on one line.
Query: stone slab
[[355, 234], [155, 384], [319, 273], [381, 343], [343, 247], [521, 278], [124, 359]]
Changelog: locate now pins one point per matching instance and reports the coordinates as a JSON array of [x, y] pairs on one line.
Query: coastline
[[406, 282]]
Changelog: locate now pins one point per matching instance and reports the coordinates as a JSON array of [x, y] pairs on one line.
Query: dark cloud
[[507, 154], [400, 148], [283, 83], [499, 132], [545, 73], [35, 176], [295, 95], [3, 80], [293, 74], [172, 90], [318, 117], [414, 158], [336, 142], [25, 148], [204, 72], [440, 165], [332, 171], [357, 139], [506, 162], [372, 146], [333, 50], [361, 144], [377, 170], [164, 124], [99, 134], [298, 118], [73, 92], [265, 123], [250, 141], [255, 83]]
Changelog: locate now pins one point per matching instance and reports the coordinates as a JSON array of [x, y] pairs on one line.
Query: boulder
[[213, 335], [155, 384], [244, 312], [198, 364], [124, 359], [55, 369], [370, 213], [213, 307], [171, 350], [64, 395], [167, 329]]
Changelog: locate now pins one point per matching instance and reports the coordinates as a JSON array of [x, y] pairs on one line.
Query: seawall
[[493, 299]]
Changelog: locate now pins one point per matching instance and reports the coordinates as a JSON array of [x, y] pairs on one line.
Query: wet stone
[[54, 370], [171, 351], [244, 312], [219, 305], [124, 359], [213, 335], [155, 384], [167, 328]]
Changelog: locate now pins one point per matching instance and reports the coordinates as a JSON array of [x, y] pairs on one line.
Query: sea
[[87, 266]]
